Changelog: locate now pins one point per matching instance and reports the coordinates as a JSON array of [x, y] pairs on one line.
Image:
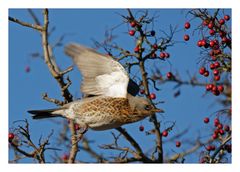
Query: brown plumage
[[111, 105]]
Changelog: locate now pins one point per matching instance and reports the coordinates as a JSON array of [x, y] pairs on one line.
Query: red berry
[[212, 66], [141, 128], [202, 70], [216, 93], [216, 121], [155, 46], [65, 157], [206, 73], [216, 131], [186, 37], [133, 24], [224, 39], [221, 131], [169, 75], [165, 133], [215, 72], [167, 55], [213, 147], [219, 126], [226, 128], [162, 55], [221, 21], [27, 69], [136, 49], [206, 120], [211, 32], [142, 91], [226, 17], [11, 136], [217, 64], [220, 88], [187, 25], [76, 126], [210, 25], [199, 43], [214, 136], [154, 55], [131, 32], [204, 42], [209, 87], [222, 33], [209, 148], [178, 143], [205, 22], [211, 43], [217, 78], [152, 96]]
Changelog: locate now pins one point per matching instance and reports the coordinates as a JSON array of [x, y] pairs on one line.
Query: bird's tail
[[46, 113]]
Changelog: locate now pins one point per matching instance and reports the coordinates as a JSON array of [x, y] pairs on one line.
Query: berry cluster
[[214, 44]]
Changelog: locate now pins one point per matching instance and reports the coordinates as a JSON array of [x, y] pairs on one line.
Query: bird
[[110, 99]]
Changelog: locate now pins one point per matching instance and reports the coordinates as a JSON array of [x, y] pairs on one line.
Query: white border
[[117, 4]]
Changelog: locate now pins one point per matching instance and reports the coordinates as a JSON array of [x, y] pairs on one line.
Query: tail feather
[[46, 113]]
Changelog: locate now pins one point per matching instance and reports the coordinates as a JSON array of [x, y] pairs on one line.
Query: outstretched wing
[[101, 74]]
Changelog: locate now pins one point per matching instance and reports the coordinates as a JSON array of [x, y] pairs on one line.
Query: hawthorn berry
[[167, 55], [169, 75], [65, 157], [152, 96], [204, 42], [215, 71], [212, 66], [206, 73], [141, 128], [226, 17], [224, 39], [205, 22], [142, 91], [214, 136], [136, 49], [154, 55], [10, 136], [76, 127], [186, 37], [162, 55], [211, 32], [216, 121], [219, 126], [226, 128], [216, 93], [131, 32], [202, 70], [187, 25], [217, 77], [221, 21], [222, 34], [209, 87], [178, 143], [133, 24], [220, 88], [206, 120], [221, 131], [210, 25], [199, 43], [155, 46], [217, 64], [211, 43], [165, 133]]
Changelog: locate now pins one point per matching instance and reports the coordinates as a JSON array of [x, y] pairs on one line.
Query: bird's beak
[[158, 110]]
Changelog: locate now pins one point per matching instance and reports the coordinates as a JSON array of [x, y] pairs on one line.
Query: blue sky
[[25, 89]]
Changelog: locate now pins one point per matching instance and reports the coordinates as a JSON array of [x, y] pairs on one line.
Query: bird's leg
[[81, 133]]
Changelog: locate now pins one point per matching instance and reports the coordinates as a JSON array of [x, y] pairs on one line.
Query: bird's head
[[143, 107]]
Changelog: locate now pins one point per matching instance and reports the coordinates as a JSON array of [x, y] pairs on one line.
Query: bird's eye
[[147, 107]]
